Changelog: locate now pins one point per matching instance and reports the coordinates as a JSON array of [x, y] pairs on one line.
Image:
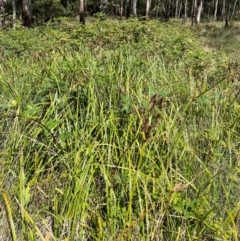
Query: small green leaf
[[27, 195], [31, 111], [117, 178], [203, 100], [127, 102], [164, 92], [53, 123], [152, 91], [65, 136]]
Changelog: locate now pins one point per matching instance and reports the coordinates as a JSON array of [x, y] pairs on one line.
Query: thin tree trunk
[[81, 12], [215, 10], [148, 6], [223, 9], [26, 14], [227, 14], [176, 8], [199, 11], [193, 12], [180, 10], [185, 11], [234, 8], [134, 8], [121, 9], [14, 13]]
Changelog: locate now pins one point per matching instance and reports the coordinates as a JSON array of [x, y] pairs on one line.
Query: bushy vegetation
[[117, 131]]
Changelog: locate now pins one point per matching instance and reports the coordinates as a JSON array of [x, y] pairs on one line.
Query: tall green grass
[[117, 131]]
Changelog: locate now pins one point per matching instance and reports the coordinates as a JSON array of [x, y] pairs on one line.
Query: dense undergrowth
[[117, 131]]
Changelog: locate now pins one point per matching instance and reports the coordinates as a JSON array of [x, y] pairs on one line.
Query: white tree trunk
[[176, 9], [134, 8], [121, 9], [180, 10], [199, 11], [148, 6], [215, 10], [185, 11], [14, 13]]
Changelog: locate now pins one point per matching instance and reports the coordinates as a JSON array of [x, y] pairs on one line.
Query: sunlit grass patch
[[220, 37]]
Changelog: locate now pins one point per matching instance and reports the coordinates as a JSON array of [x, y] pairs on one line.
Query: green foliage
[[48, 9], [117, 131], [101, 16]]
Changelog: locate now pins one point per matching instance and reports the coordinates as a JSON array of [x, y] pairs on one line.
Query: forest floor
[[120, 131]]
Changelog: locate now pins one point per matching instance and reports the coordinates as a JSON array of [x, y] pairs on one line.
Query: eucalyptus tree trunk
[[81, 12], [148, 6], [14, 13], [179, 10], [134, 8], [121, 9], [185, 11], [223, 9], [26, 15], [176, 8], [199, 11], [215, 10], [234, 8]]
